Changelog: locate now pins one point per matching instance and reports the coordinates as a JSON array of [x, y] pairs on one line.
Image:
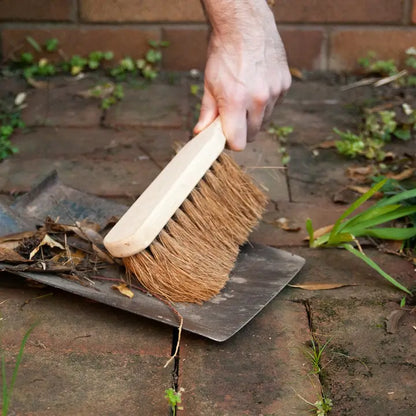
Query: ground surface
[[88, 359]]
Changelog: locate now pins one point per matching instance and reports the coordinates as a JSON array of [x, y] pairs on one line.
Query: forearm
[[237, 17]]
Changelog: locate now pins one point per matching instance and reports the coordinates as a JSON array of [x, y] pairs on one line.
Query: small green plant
[[372, 65], [281, 133], [346, 230], [315, 354], [10, 120], [148, 66], [174, 398], [113, 98], [378, 128], [322, 406], [7, 389]]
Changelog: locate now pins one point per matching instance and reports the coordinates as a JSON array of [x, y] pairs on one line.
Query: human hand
[[246, 71]]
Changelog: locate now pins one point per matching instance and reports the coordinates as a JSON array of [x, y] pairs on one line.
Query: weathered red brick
[[141, 11], [187, 48], [414, 12], [304, 48], [121, 41], [356, 11], [61, 10], [347, 46]]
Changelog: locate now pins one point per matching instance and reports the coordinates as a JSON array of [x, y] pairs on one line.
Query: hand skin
[[246, 71]]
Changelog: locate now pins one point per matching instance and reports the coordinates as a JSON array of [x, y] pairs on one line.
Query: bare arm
[[246, 69]]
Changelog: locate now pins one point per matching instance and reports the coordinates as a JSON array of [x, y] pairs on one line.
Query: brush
[[181, 237]]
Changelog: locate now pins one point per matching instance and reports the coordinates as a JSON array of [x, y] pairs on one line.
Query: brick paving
[[84, 358]]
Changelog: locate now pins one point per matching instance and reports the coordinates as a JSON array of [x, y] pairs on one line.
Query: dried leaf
[[37, 84], [327, 144], [321, 286], [295, 72], [102, 255], [286, 224], [68, 257], [48, 241], [359, 173], [124, 290], [11, 256], [407, 173], [363, 189], [17, 236]]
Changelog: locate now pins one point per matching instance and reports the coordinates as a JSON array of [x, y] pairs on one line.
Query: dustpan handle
[[143, 221]]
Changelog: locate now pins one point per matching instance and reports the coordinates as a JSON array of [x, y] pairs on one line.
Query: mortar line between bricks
[[311, 327]]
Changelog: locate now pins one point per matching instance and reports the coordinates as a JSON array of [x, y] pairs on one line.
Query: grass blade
[[5, 407], [34, 44], [389, 233], [398, 213], [368, 214], [376, 267], [19, 358], [356, 204], [397, 198], [309, 229]]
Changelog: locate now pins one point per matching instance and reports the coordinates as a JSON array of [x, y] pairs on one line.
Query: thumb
[[209, 112]]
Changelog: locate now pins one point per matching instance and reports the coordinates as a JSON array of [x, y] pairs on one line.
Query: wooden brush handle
[[143, 221]]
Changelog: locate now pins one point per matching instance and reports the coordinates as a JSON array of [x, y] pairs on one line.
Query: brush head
[[191, 258]]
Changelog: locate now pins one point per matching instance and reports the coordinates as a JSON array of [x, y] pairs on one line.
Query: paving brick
[[72, 324], [62, 10], [261, 159], [81, 40], [337, 266], [364, 366], [161, 106], [98, 177], [36, 110], [100, 143], [187, 48], [348, 45], [141, 11], [234, 378], [269, 233], [316, 177], [331, 11], [304, 47], [92, 384]]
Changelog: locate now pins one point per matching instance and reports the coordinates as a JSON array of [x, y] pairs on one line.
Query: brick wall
[[319, 34]]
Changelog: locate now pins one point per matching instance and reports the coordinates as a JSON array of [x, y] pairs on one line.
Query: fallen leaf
[[407, 173], [17, 236], [295, 72], [363, 189], [10, 256], [327, 144], [286, 224], [360, 173], [68, 257], [48, 241], [99, 91], [124, 290], [102, 255], [37, 84], [322, 286], [321, 231]]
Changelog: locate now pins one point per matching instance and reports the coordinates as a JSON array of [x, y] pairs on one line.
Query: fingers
[[208, 113], [234, 125]]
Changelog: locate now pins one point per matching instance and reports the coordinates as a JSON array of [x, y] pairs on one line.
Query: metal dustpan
[[260, 273]]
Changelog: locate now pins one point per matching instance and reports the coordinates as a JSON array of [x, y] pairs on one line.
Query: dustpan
[[260, 273]]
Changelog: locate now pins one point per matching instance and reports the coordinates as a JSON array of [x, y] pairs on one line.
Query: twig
[[391, 78]]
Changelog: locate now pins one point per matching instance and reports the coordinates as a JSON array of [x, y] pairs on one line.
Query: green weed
[[7, 389], [281, 133], [174, 398], [315, 354], [10, 120], [347, 229], [378, 128]]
